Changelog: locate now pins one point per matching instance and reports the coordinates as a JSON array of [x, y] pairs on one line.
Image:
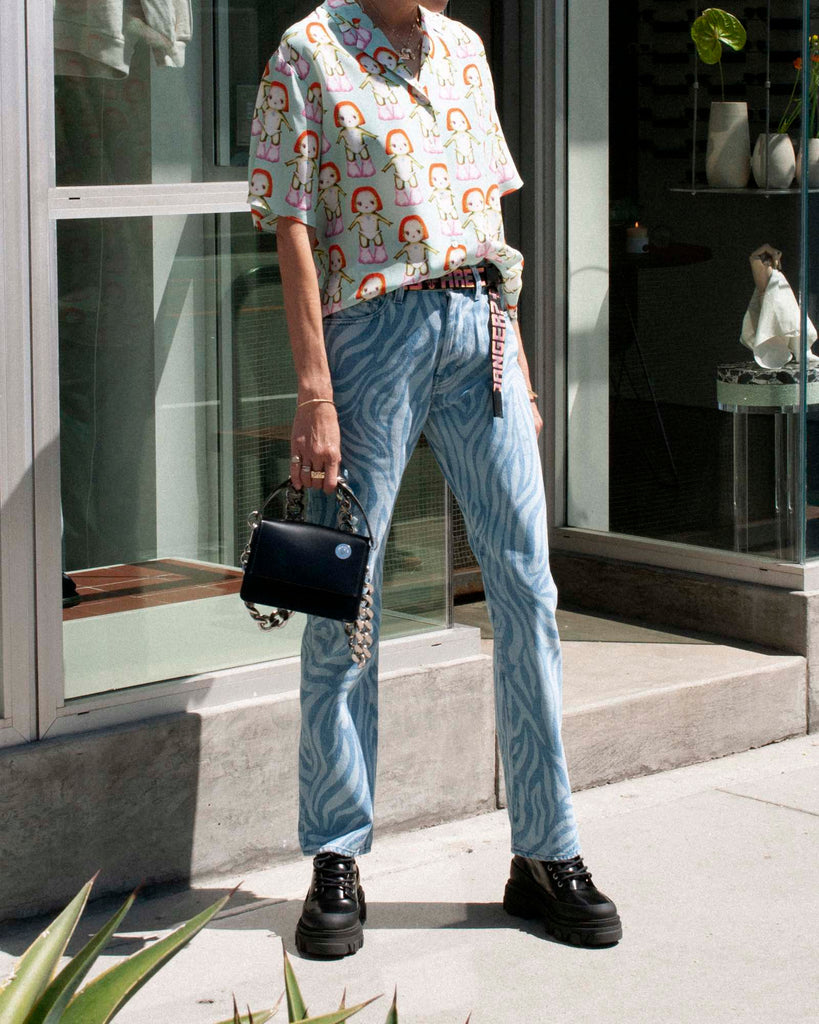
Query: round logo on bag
[[343, 550]]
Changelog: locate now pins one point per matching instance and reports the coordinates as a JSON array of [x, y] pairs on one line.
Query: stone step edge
[[669, 727]]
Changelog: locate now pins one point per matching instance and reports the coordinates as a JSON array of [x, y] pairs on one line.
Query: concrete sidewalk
[[713, 868]]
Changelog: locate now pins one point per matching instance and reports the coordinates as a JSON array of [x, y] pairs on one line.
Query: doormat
[[122, 588]]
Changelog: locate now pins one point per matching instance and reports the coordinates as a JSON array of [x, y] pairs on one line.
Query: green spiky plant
[[710, 31], [297, 1011], [37, 993]]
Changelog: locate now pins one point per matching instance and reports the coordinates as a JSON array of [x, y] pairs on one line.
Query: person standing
[[427, 339]]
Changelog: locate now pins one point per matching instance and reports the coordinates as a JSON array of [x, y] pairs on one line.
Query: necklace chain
[[404, 51]]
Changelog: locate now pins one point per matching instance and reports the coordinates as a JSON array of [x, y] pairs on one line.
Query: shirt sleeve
[[498, 157], [501, 161], [285, 141]]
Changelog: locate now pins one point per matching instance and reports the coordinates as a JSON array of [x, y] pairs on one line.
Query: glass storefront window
[[177, 395], [677, 430]]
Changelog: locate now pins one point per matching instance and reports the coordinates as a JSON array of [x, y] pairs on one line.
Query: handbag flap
[[310, 555]]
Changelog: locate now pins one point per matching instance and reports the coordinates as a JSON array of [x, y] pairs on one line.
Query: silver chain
[[404, 51], [360, 632]]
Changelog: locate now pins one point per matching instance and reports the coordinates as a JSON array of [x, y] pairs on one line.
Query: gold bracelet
[[310, 400], [532, 394]]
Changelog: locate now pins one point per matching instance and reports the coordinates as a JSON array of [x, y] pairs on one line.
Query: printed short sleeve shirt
[[400, 177]]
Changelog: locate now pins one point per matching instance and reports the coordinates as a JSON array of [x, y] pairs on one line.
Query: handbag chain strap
[[294, 512], [360, 632]]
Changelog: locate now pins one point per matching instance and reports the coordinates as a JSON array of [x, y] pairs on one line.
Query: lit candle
[[637, 239]]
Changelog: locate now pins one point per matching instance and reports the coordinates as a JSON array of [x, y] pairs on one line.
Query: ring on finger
[[295, 458], [317, 474], [306, 467]]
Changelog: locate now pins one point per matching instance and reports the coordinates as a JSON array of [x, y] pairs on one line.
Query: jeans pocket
[[360, 312]]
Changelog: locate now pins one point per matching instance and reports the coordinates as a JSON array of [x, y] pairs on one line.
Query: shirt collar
[[362, 36]]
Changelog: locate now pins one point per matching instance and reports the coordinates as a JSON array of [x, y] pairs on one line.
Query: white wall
[[588, 275]]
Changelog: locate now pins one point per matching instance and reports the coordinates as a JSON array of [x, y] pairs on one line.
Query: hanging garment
[[96, 38]]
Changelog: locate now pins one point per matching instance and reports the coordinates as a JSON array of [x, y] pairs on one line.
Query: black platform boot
[[334, 910], [561, 893]]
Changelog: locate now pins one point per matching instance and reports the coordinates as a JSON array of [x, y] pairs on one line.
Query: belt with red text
[[490, 276]]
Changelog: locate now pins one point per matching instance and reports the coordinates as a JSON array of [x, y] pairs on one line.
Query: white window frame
[[17, 675]]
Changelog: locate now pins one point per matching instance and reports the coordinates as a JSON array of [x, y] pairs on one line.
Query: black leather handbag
[[296, 566]]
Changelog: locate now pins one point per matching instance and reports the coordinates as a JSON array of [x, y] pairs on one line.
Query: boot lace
[[334, 871], [565, 871]]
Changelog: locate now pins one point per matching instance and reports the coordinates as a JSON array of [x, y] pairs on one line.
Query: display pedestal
[[746, 389]]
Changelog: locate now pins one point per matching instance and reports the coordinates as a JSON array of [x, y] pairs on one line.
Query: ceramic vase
[[728, 156], [812, 161], [774, 161]]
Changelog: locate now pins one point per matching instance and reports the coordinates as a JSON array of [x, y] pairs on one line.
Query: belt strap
[[497, 337], [491, 277]]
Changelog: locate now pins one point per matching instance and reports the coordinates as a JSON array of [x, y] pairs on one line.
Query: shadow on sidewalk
[[159, 910]]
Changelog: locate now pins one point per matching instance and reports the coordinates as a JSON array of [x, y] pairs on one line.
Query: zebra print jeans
[[402, 363]]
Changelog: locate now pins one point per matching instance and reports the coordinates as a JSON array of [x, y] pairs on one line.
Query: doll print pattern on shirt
[[401, 178]]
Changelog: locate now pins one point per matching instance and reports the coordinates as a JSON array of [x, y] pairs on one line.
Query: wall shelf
[[767, 192]]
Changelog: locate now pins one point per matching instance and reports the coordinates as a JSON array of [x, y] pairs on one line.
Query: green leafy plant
[[794, 107], [710, 31], [297, 1011], [36, 993]]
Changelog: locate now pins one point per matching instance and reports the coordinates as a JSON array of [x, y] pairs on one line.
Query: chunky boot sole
[[520, 901], [335, 942], [332, 942]]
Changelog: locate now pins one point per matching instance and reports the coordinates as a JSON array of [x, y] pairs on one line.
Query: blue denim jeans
[[402, 363]]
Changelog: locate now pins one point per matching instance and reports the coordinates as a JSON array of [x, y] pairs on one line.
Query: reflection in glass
[[177, 395], [160, 91]]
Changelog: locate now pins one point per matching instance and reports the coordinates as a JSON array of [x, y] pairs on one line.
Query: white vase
[[728, 156], [813, 163], [774, 161]]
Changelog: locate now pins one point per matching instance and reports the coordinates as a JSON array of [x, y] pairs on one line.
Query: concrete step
[[639, 700], [635, 708], [213, 791]]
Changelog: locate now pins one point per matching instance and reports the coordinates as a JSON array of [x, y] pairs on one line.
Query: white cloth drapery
[[771, 328]]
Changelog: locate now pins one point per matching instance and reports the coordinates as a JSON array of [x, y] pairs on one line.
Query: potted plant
[[774, 161], [813, 116], [774, 158], [728, 155]]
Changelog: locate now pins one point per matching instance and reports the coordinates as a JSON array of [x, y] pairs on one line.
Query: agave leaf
[[392, 1016], [338, 1016], [713, 28], [296, 1010], [58, 994], [106, 995], [250, 1018], [343, 1002], [261, 1017], [31, 976]]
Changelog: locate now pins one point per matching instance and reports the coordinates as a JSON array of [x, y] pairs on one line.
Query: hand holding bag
[[296, 566]]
